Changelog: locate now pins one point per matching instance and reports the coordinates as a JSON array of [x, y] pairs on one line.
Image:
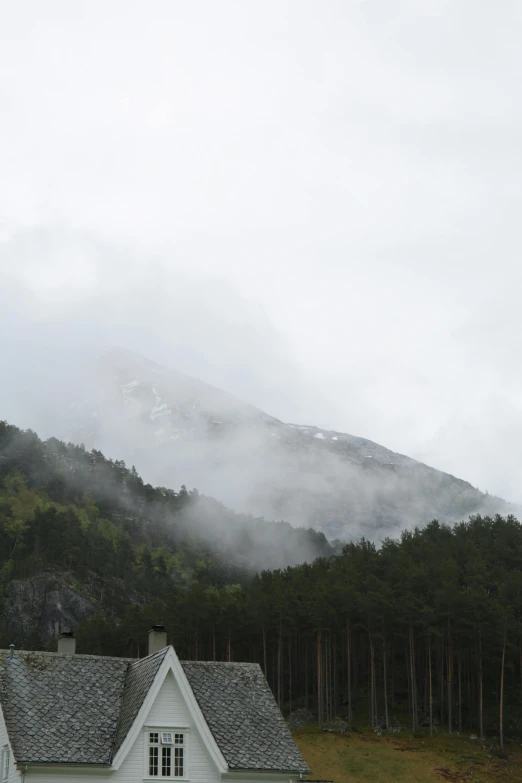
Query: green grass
[[401, 758]]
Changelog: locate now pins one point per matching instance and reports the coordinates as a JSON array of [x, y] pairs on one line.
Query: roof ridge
[[132, 661], [137, 661], [222, 663], [71, 655]]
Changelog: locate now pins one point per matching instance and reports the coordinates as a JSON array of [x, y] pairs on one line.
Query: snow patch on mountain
[[160, 410], [179, 430]]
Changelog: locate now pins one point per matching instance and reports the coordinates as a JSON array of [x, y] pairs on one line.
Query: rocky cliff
[[43, 602]]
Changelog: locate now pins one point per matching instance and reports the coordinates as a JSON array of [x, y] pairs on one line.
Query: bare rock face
[[301, 717], [39, 603], [337, 726]]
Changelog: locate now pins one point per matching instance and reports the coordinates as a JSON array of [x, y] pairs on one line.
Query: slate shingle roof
[[62, 708], [140, 676], [79, 708], [243, 716]]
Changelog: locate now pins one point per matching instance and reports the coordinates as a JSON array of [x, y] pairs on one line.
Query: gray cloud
[[66, 296], [314, 206]]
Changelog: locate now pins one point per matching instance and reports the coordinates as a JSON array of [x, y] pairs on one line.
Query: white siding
[[14, 775], [168, 709], [264, 778], [169, 706], [66, 776]]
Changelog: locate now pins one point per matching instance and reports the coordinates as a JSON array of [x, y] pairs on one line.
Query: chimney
[[157, 638], [67, 643]]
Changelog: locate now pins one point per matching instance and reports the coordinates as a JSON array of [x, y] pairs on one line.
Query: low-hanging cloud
[[315, 208]]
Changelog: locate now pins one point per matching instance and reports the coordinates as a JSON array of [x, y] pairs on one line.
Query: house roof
[[79, 708], [61, 708], [243, 716], [140, 676]]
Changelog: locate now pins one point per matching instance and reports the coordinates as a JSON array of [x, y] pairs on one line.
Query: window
[[166, 754], [5, 763]]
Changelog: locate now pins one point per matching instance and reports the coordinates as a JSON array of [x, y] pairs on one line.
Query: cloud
[[58, 314], [314, 207]]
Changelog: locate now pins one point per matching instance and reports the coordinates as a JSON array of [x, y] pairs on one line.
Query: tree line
[[427, 628]]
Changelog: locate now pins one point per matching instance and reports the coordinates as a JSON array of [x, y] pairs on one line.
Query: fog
[[313, 206]]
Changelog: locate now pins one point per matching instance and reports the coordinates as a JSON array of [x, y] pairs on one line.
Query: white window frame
[[5, 763], [159, 730]]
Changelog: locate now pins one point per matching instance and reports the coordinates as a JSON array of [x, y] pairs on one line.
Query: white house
[[87, 718]]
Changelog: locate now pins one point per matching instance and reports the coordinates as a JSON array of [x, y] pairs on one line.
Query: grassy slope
[[357, 758]]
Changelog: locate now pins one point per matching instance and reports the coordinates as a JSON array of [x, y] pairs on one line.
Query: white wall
[[14, 775]]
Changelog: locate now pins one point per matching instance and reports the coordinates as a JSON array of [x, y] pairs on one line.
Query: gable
[[174, 694], [169, 710]]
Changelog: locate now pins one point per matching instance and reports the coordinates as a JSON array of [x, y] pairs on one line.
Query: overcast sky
[[315, 205]]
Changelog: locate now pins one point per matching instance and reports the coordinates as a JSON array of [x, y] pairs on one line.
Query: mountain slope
[[80, 534], [177, 429]]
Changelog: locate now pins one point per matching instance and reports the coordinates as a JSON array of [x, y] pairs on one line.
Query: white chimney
[[157, 638], [67, 643]]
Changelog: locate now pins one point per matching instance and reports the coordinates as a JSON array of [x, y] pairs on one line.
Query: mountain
[[82, 535], [177, 429]]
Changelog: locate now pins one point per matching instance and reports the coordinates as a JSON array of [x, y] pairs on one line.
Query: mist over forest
[[180, 430]]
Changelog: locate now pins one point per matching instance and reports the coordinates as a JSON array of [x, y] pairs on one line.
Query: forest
[[63, 505], [425, 629]]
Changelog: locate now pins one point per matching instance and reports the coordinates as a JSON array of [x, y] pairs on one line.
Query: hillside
[[363, 757], [81, 534], [176, 429]]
